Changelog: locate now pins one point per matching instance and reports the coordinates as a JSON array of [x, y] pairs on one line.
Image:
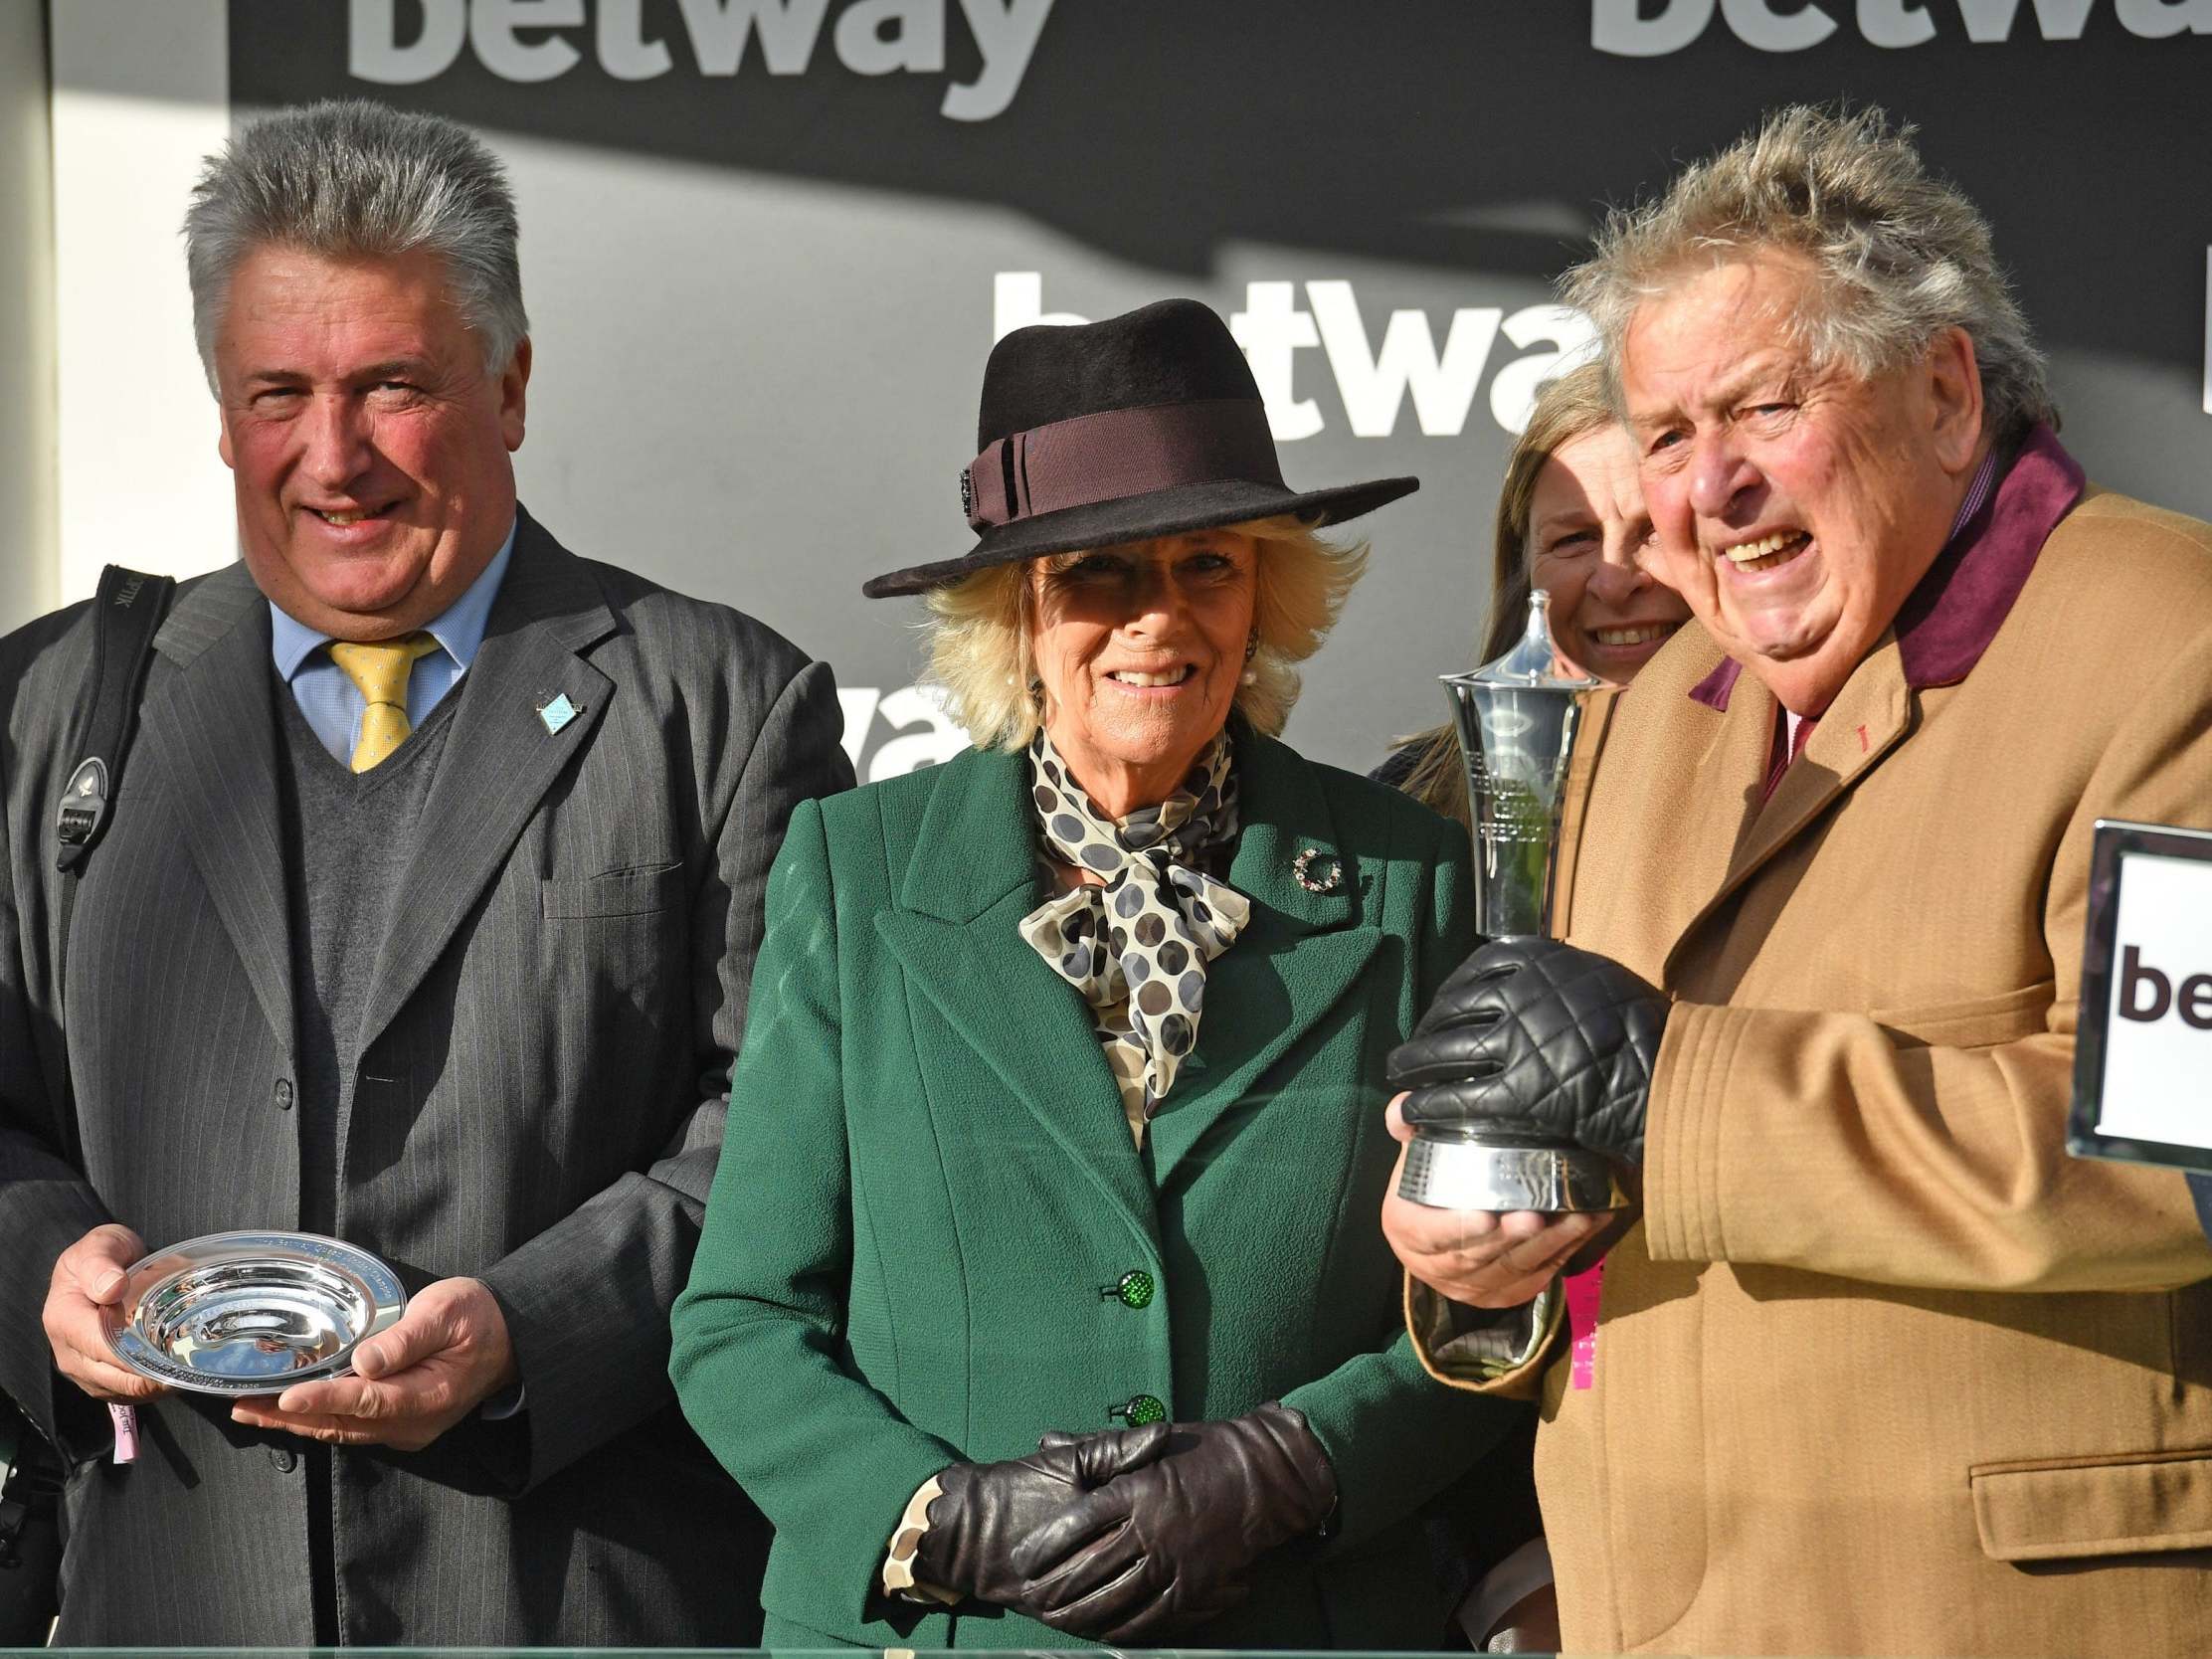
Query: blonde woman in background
[[1571, 522]]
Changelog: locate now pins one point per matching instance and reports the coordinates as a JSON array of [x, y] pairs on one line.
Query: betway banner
[[767, 245]]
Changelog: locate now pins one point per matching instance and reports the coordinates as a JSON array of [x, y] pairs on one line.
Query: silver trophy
[[1516, 719]]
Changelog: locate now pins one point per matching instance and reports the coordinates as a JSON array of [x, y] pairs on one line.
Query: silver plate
[[250, 1313]]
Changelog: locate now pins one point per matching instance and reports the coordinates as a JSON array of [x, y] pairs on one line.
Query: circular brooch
[[1301, 870]]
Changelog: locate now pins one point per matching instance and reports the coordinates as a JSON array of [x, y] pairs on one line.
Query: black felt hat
[[1145, 424]]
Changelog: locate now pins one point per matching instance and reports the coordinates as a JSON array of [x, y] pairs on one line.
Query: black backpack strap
[[127, 612], [30, 1481], [29, 1530]]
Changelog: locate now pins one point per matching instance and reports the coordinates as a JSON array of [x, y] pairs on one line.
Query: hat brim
[[1173, 512]]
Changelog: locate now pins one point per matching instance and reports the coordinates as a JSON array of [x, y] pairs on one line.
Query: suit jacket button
[[284, 1458], [1133, 1289], [1139, 1410], [283, 1094]]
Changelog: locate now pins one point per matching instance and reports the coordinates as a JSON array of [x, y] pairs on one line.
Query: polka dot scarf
[[1146, 936]]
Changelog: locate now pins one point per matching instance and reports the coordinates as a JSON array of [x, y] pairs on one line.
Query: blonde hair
[[1567, 408], [978, 634], [1899, 255]]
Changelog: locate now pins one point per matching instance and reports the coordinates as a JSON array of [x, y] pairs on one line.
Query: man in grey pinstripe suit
[[426, 919]]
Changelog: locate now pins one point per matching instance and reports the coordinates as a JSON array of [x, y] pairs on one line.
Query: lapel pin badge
[[1301, 870], [558, 713]]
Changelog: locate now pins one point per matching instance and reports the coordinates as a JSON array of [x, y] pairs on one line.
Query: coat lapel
[[1296, 957], [957, 932], [500, 758], [1718, 803], [210, 726], [1871, 712]]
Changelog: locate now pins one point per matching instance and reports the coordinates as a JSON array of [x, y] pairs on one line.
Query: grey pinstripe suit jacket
[[539, 1102]]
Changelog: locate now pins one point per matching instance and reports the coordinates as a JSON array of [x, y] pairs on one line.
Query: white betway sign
[[921, 732], [2158, 1028], [1633, 29], [1375, 379], [543, 40]]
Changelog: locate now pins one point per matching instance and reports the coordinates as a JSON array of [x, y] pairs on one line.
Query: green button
[[1135, 1288], [1141, 1410]]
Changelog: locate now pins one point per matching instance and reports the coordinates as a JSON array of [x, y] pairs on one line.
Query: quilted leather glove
[[987, 1509], [1532, 1036], [1166, 1546]]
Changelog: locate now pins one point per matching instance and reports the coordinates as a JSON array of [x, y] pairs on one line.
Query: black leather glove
[[986, 1509], [1533, 1036], [1166, 1546]]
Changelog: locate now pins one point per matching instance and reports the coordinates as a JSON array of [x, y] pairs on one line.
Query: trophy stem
[[1516, 719]]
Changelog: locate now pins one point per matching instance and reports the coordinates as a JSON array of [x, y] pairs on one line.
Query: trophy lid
[[1533, 662]]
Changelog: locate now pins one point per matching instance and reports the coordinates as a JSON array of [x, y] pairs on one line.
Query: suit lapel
[[956, 931], [210, 726], [1295, 959], [1861, 727], [501, 757]]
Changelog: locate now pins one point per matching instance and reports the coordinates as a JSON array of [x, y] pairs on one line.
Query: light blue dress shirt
[[333, 704]]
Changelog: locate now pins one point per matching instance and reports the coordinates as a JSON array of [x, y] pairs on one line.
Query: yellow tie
[[379, 672]]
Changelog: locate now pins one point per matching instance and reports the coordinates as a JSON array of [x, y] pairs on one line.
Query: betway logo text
[[1636, 29], [918, 731], [1374, 380], [2146, 992], [542, 40]]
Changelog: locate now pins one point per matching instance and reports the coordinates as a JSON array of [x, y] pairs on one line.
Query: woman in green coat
[[1041, 1291]]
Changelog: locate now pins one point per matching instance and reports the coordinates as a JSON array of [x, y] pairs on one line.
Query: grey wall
[[27, 413]]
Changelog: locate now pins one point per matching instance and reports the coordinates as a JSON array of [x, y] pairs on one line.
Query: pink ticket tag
[[127, 1431], [1582, 1324]]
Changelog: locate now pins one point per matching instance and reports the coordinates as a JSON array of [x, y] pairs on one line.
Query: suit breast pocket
[[1973, 1021], [612, 966], [644, 890]]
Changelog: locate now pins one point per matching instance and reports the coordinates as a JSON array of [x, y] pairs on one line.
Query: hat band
[[1118, 453]]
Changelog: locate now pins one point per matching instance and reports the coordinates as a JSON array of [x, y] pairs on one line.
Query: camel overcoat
[[1881, 1370], [929, 1187]]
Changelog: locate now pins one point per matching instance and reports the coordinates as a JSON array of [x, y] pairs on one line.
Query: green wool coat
[[928, 1182]]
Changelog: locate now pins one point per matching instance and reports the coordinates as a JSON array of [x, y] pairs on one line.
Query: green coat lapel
[[1296, 957], [955, 930]]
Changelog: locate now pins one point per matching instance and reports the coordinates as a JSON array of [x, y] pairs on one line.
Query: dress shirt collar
[[458, 630], [1949, 619]]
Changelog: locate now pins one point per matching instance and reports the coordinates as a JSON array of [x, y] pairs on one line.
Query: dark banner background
[[763, 282]]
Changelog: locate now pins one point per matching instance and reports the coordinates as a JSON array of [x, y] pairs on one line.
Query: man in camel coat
[[1875, 1366]]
